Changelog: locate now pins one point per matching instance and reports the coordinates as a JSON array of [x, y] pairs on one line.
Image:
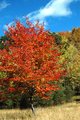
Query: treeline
[[68, 43]]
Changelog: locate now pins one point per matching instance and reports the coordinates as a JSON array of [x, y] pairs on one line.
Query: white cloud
[[3, 4], [54, 8]]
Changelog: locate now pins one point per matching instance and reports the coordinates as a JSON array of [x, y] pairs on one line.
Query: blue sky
[[58, 15]]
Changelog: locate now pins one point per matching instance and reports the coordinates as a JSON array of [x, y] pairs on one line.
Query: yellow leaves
[[42, 80], [3, 75], [62, 59], [11, 83], [71, 50], [64, 39], [71, 56], [69, 53]]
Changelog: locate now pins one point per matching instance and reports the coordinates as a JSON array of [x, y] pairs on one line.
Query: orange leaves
[[33, 57], [6, 68], [15, 79]]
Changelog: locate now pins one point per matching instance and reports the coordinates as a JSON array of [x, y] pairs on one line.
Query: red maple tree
[[31, 60]]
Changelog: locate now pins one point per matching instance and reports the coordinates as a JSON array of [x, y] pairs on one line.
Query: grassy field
[[70, 111]]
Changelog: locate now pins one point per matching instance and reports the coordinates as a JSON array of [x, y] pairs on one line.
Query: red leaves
[[32, 56], [11, 89]]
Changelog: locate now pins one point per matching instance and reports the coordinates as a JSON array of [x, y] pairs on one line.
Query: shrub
[[58, 97], [68, 89]]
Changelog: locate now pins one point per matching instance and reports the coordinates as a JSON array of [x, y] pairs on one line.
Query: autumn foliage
[[31, 61]]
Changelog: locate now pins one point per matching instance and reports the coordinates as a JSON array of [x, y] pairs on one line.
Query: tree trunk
[[31, 105], [32, 108]]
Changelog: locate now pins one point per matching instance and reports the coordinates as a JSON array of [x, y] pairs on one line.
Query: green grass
[[70, 111]]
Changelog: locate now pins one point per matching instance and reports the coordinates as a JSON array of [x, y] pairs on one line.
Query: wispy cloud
[[54, 8], [3, 4]]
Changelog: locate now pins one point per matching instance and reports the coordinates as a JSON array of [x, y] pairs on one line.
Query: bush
[[68, 93], [58, 97], [68, 89], [43, 103], [9, 103], [65, 93]]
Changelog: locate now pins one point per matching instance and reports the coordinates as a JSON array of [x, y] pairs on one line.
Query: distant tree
[[4, 41], [4, 38], [58, 38], [74, 37], [71, 54]]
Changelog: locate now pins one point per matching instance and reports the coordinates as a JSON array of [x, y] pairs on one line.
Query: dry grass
[[70, 111]]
